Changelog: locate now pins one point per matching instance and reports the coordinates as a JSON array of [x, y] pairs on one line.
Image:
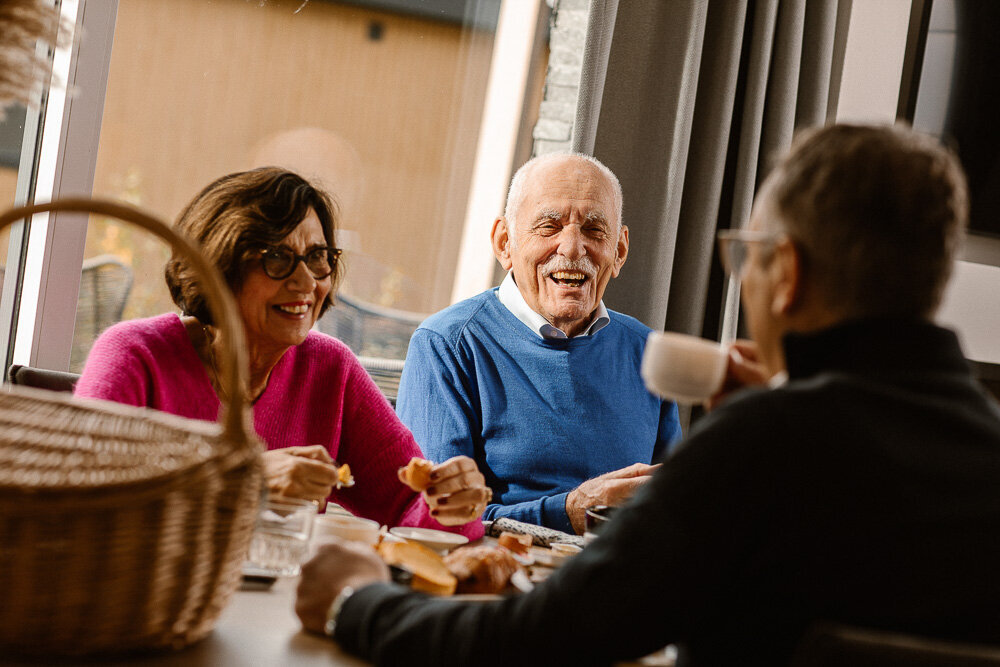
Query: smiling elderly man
[[537, 380]]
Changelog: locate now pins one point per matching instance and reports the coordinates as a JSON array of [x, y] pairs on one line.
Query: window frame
[[59, 161]]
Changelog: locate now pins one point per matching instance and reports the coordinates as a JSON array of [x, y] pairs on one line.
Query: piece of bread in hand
[[519, 544], [481, 569], [344, 477], [430, 574], [417, 474]]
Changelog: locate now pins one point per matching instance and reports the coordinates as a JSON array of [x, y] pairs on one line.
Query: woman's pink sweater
[[317, 393]]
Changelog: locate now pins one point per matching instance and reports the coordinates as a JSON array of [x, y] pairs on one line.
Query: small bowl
[[438, 540], [564, 549], [346, 527]]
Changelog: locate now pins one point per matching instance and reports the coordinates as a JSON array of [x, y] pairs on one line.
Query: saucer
[[438, 540]]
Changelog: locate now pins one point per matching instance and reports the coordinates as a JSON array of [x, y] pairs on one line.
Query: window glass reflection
[[378, 102]]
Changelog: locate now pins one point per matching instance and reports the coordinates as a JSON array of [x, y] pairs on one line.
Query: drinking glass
[[281, 538]]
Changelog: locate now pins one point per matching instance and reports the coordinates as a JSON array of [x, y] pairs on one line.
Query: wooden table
[[260, 628], [256, 628]]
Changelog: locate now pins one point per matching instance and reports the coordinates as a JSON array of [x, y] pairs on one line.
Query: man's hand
[[300, 472], [612, 488], [458, 493], [743, 369], [335, 565]]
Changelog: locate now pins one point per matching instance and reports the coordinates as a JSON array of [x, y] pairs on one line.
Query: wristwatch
[[334, 610]]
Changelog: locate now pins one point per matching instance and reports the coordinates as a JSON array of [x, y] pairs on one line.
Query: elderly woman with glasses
[[271, 234]]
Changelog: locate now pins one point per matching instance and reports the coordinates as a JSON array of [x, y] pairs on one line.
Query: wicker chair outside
[[378, 336], [105, 284], [104, 288], [370, 330]]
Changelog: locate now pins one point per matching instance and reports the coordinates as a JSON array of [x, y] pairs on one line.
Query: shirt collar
[[510, 296]]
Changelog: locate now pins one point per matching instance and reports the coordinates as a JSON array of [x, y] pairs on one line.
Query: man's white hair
[[515, 195]]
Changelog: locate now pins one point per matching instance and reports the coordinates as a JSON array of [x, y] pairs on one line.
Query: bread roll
[[519, 544], [481, 569], [344, 477], [417, 474], [429, 572]]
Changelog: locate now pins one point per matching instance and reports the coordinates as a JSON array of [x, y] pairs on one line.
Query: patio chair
[[105, 284], [370, 330], [378, 336], [104, 288], [385, 373]]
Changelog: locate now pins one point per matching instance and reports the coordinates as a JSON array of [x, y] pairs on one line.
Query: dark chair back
[[832, 644], [42, 378]]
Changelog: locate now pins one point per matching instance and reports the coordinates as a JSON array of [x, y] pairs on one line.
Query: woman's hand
[[458, 493], [300, 472]]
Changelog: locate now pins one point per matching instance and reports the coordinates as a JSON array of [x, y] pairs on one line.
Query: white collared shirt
[[510, 296]]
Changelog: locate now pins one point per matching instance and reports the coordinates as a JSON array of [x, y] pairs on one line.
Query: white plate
[[438, 540]]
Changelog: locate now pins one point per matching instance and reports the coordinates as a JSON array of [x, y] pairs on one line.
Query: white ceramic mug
[[346, 527], [683, 368]]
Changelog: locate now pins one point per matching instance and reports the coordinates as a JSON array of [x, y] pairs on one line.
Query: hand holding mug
[[743, 369]]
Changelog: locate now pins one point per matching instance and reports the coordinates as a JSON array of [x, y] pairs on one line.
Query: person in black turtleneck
[[859, 484]]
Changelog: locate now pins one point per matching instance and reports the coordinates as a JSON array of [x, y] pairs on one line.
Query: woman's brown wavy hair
[[238, 214]]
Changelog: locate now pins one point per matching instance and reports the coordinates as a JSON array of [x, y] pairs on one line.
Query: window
[[381, 103]]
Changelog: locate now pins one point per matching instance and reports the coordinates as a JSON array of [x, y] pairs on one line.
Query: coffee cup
[[346, 527], [683, 368], [596, 518]]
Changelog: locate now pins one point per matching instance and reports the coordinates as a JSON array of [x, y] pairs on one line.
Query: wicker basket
[[123, 528]]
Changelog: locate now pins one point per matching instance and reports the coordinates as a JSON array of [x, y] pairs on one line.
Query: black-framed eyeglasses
[[280, 261], [734, 247]]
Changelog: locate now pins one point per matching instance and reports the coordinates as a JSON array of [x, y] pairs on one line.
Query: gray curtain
[[687, 101]]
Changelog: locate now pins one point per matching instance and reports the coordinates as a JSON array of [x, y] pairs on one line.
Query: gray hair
[[515, 195], [878, 213]]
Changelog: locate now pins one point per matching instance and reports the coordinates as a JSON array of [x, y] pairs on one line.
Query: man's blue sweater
[[539, 416]]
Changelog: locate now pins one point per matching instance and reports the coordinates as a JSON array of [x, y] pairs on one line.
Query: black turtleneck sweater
[[865, 490]]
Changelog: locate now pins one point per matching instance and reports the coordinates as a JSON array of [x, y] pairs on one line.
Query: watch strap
[[334, 611]]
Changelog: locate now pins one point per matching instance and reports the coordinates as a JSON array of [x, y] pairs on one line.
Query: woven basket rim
[[227, 453]]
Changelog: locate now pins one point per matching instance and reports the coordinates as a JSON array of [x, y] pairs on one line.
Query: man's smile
[[569, 278]]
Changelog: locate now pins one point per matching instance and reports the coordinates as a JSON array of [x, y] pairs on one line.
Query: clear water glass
[[281, 538]]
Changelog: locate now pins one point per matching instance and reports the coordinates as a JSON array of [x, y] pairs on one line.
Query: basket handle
[[235, 416]]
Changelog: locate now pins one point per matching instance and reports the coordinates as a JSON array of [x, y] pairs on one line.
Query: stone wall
[[568, 32]]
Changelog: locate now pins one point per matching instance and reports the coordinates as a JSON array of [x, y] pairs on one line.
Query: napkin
[[540, 535]]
